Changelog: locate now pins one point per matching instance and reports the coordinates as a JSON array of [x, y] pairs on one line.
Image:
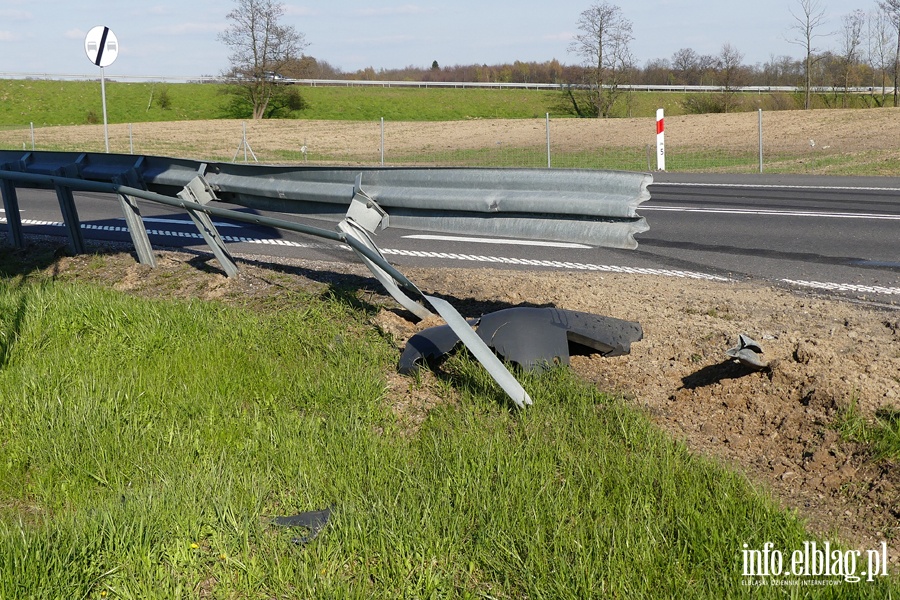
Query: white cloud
[[75, 34], [392, 11], [8, 36]]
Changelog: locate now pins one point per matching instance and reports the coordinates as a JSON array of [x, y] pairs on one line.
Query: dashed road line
[[553, 264], [845, 287]]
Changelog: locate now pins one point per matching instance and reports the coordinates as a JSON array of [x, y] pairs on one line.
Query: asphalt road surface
[[834, 235]]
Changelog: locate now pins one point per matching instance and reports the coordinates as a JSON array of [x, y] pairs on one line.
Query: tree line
[[864, 51]]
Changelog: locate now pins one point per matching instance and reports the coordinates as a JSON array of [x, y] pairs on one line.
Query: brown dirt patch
[[776, 426], [811, 134]]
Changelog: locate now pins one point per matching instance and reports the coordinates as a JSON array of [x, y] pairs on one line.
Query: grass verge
[[148, 443], [881, 435]]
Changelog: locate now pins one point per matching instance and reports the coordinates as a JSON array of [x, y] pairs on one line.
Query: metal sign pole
[[103, 97], [102, 48]]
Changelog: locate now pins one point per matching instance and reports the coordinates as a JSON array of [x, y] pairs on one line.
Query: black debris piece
[[430, 343], [313, 521], [748, 353], [534, 338]]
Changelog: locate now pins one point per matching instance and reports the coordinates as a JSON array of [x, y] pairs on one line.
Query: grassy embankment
[[147, 443], [52, 103]]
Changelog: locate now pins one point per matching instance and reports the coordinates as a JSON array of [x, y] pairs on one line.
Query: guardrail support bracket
[[69, 212], [198, 190], [133, 220], [13, 216]]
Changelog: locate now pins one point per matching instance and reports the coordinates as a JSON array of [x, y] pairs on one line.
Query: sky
[[179, 38]]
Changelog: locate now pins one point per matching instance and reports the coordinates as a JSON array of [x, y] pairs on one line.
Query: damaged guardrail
[[597, 208], [591, 207]]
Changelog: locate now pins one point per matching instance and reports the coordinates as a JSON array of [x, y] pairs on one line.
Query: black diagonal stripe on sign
[[102, 46]]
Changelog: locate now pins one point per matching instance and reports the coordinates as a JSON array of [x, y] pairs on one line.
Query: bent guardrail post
[[133, 220], [364, 217], [13, 216], [198, 191]]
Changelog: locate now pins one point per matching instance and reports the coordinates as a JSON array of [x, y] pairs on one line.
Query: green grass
[[147, 443], [881, 435], [74, 103], [46, 103]]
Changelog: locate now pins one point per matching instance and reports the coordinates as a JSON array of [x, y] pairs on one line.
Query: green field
[[45, 103], [148, 443]]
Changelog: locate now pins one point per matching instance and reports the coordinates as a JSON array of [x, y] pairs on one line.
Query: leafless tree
[[806, 26], [260, 47], [880, 47], [892, 9], [729, 65], [685, 64], [603, 43], [850, 46]]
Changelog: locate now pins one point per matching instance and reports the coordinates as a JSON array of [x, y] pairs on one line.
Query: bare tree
[[880, 48], [850, 46], [603, 43], [260, 47], [806, 26], [892, 9], [730, 73], [685, 64]]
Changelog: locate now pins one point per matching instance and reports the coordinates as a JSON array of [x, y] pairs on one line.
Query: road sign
[[101, 46]]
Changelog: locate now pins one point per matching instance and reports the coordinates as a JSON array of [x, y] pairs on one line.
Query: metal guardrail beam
[[566, 205]]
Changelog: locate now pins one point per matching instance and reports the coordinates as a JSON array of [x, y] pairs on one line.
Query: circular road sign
[[101, 46]]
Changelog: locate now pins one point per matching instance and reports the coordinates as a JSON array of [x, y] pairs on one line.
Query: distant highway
[[833, 235]]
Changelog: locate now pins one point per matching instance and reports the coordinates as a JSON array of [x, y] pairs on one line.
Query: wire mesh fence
[[860, 141]]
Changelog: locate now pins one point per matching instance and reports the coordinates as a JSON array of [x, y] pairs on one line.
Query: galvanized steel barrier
[[590, 207]]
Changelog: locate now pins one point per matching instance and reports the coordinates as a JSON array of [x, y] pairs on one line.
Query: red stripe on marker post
[[660, 141]]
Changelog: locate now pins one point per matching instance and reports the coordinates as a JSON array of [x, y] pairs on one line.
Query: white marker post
[[660, 140], [102, 48]]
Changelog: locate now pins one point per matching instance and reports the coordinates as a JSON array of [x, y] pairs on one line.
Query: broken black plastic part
[[534, 338], [313, 521], [430, 343]]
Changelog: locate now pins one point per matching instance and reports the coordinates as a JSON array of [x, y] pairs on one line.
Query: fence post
[[660, 140], [382, 141], [760, 142], [548, 141], [32, 135]]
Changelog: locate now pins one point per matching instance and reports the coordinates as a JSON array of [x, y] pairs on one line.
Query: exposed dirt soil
[[776, 426], [807, 134]]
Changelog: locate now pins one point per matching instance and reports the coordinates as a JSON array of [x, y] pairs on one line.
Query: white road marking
[[776, 186], [185, 222], [508, 242], [771, 212], [414, 253], [845, 287], [554, 264]]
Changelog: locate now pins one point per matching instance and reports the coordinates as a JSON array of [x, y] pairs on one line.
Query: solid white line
[[776, 186], [475, 240], [772, 212]]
